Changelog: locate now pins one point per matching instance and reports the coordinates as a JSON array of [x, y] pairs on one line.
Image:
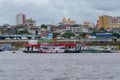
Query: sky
[[53, 11]]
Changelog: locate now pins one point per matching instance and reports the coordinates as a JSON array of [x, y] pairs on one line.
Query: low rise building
[[57, 29], [30, 22], [79, 29]]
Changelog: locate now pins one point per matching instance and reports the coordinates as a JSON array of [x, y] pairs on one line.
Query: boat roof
[[50, 44]]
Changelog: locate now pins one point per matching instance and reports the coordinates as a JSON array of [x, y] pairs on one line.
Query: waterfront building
[[68, 21], [57, 29], [89, 24], [86, 23], [79, 29], [20, 19], [49, 28], [97, 25], [109, 22], [30, 22]]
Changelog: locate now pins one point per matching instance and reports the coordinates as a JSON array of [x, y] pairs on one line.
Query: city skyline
[[52, 11]]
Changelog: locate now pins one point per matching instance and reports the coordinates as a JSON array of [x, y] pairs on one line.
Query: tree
[[116, 35], [93, 33], [21, 32], [114, 40], [102, 29], [55, 35], [83, 35], [43, 26], [68, 35]]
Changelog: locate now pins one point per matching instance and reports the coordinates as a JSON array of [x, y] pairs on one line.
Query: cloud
[[52, 11], [107, 5]]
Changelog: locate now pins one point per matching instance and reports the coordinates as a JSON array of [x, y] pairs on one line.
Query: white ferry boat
[[34, 47]]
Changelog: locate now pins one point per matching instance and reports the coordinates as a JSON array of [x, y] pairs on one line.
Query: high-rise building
[[97, 25], [20, 19], [109, 22], [103, 21]]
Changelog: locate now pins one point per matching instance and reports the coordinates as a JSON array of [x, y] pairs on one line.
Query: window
[[62, 48]]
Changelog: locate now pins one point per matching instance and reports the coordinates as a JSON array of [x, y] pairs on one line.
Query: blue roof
[[103, 35]]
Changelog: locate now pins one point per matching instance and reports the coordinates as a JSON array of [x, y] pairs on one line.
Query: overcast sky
[[53, 11]]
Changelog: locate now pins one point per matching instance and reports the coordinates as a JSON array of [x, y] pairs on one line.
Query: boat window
[[69, 47], [37, 47], [62, 48], [45, 48]]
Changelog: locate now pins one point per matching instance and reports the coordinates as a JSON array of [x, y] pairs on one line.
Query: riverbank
[[19, 43]]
